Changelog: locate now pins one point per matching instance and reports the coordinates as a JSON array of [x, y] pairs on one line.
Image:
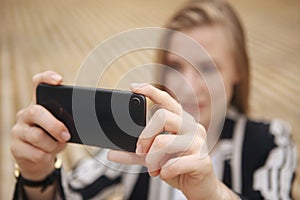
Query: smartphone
[[97, 117]]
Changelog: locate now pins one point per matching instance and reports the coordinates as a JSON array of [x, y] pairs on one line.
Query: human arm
[[175, 157], [32, 147]]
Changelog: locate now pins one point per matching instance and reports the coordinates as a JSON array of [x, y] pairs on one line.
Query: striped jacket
[[254, 159]]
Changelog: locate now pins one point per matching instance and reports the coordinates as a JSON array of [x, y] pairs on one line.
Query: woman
[[251, 159]]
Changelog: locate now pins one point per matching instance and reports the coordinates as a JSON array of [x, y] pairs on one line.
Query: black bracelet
[[49, 180]]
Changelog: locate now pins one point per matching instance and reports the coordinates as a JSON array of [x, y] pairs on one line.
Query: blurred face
[[201, 83]]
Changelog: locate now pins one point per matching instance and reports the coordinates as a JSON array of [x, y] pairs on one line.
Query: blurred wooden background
[[58, 35]]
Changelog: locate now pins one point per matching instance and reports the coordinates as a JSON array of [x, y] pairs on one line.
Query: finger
[[40, 116], [33, 162], [164, 120], [158, 96], [19, 114], [38, 138], [24, 151], [48, 77], [125, 158], [176, 145], [190, 164]]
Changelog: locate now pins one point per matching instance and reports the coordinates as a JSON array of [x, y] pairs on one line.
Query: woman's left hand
[[175, 157]]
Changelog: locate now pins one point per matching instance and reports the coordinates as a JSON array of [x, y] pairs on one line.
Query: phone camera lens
[[136, 101]]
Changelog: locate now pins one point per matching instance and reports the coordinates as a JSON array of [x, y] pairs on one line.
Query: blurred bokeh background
[[57, 35]]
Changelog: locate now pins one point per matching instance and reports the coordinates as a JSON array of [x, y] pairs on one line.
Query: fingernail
[[65, 136], [153, 173], [55, 77], [135, 86], [139, 149]]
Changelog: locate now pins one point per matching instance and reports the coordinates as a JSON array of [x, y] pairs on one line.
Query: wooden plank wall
[[58, 35]]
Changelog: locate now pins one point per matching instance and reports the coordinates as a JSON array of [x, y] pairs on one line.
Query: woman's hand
[[32, 146], [175, 157]]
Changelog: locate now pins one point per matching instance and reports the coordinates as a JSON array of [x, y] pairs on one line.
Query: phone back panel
[[98, 117]]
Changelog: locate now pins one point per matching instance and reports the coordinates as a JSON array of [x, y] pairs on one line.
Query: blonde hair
[[199, 13]]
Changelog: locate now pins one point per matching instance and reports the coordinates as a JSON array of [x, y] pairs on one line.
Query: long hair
[[198, 13]]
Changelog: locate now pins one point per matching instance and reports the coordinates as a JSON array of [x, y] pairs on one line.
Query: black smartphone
[[98, 117]]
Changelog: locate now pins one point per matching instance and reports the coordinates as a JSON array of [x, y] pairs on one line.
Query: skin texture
[[175, 157], [33, 149]]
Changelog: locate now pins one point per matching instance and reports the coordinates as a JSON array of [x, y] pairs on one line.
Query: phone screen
[[98, 117]]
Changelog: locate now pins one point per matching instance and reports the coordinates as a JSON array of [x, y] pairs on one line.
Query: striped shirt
[[254, 159]]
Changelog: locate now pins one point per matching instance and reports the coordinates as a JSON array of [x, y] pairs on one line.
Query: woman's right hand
[[32, 146]]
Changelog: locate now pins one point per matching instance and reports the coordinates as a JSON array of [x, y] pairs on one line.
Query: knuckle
[[164, 94], [201, 131], [37, 136], [19, 114], [160, 114], [195, 145], [150, 87], [17, 131], [45, 74], [198, 140], [35, 110], [35, 78], [148, 160], [160, 141], [14, 130], [185, 144]]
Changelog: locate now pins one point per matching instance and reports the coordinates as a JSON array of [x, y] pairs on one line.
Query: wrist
[[224, 193], [42, 184], [36, 172], [36, 182]]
